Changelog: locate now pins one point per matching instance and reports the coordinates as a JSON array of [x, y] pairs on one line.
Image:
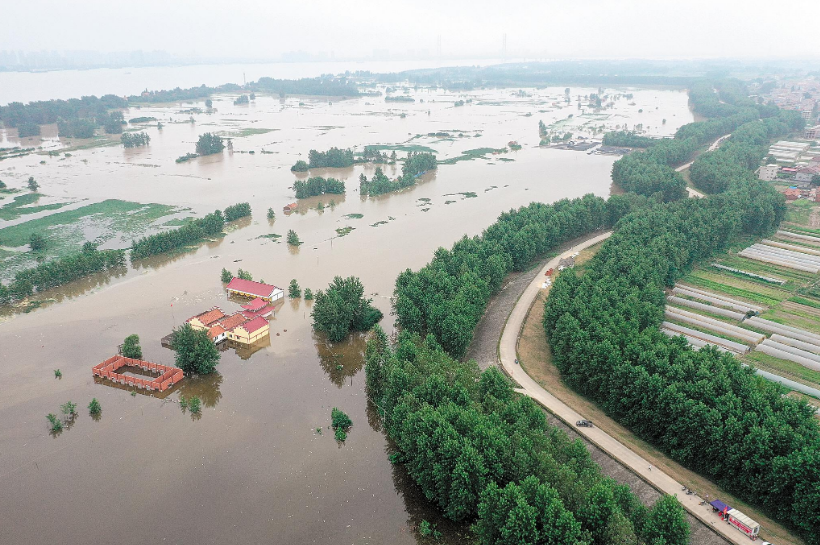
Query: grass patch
[[407, 148], [799, 211], [272, 236], [354, 216], [470, 154], [20, 206], [178, 222], [342, 231], [378, 223]]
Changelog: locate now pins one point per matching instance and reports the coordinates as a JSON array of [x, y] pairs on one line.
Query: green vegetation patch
[[407, 148], [470, 154], [342, 231], [19, 206], [378, 223], [272, 236], [354, 216], [110, 220]]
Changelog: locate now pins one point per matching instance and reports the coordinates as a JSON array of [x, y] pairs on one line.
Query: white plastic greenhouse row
[[753, 252], [798, 236], [708, 308], [700, 339], [713, 324], [715, 299]]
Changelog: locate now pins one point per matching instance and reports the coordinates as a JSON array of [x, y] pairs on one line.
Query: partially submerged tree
[[195, 352], [131, 347], [343, 308], [226, 276], [294, 290]]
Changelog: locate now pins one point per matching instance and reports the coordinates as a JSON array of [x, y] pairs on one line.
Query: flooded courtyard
[[260, 463]]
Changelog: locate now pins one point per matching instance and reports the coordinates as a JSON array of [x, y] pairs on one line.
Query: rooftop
[[209, 316], [232, 321], [254, 305], [255, 324], [249, 286]]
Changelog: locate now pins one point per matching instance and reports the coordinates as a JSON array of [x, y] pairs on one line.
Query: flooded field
[[260, 463]]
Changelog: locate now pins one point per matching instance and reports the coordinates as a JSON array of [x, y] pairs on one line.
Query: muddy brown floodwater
[[252, 467]]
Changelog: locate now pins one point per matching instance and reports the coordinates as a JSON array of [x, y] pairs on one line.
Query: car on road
[[584, 424]]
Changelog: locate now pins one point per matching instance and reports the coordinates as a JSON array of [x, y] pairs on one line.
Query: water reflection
[[341, 361], [205, 387]]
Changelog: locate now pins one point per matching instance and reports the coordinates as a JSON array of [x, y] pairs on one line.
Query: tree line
[[716, 171], [448, 296], [189, 233], [135, 140], [703, 408], [44, 112], [318, 186], [482, 453], [238, 210], [332, 158], [57, 272], [628, 139]]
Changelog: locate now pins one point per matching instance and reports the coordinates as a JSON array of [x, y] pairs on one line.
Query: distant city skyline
[[103, 32]]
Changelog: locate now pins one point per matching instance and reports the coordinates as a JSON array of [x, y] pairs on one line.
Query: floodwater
[[253, 467]]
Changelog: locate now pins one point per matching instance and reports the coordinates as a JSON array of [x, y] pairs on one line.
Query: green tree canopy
[[343, 308], [131, 347], [195, 352]]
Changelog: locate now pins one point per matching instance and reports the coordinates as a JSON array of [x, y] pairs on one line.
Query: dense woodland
[[60, 271], [321, 86], [189, 233], [332, 158], [482, 453], [318, 186], [135, 139], [701, 407], [448, 296]]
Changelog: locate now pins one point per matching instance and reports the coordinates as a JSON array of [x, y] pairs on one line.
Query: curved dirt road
[[507, 349]]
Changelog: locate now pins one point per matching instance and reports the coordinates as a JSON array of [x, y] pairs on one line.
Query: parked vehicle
[[584, 424]]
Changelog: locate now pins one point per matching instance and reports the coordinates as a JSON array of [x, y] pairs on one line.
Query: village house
[[792, 193], [250, 331], [206, 319], [805, 174], [249, 288], [767, 173]]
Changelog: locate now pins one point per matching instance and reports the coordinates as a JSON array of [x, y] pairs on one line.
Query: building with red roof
[[250, 331], [249, 288], [206, 319]]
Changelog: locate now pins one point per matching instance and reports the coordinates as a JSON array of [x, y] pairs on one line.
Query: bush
[[300, 166], [195, 352], [271, 214], [69, 409], [56, 423], [308, 294], [94, 408], [293, 238], [32, 184], [194, 405], [341, 423], [37, 242], [343, 308], [131, 347]]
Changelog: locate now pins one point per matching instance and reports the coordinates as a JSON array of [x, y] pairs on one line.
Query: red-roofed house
[[249, 288], [217, 333], [232, 321], [255, 305], [206, 319], [792, 193], [290, 207], [250, 331]]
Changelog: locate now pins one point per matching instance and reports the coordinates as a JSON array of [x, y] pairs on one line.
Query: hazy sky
[[546, 28]]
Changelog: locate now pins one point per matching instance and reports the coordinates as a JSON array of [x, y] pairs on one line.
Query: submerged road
[[508, 355]]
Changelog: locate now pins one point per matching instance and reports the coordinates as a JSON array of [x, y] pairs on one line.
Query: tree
[[32, 184], [209, 103], [815, 180], [195, 352], [236, 211], [271, 214], [341, 423], [666, 522], [94, 408], [69, 409], [131, 347], [308, 294], [300, 166], [343, 308], [226, 276], [293, 289], [209, 143], [56, 424], [244, 275], [293, 238], [37, 242]]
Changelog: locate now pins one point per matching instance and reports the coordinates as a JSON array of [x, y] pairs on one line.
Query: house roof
[[215, 331], [249, 286], [232, 321], [255, 324], [209, 316], [264, 311], [255, 305]]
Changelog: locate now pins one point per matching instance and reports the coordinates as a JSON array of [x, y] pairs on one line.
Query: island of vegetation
[[52, 274], [135, 140], [414, 166], [190, 233], [332, 158], [318, 186]]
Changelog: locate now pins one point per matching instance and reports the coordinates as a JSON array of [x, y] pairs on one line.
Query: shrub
[[293, 238], [69, 409], [56, 424], [308, 294], [194, 405], [94, 408]]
